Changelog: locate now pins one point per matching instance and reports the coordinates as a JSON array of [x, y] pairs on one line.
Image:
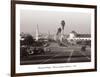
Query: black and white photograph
[[54, 37]]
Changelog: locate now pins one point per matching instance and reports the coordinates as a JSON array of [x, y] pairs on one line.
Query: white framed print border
[[52, 38]]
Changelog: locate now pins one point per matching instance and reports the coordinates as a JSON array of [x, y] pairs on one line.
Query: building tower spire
[[37, 33]]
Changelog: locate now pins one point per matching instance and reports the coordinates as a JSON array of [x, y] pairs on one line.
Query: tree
[[59, 31], [63, 24], [28, 40]]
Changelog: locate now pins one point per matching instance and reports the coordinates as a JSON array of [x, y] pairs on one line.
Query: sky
[[49, 21]]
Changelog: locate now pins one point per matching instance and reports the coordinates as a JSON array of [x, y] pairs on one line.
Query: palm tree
[[59, 31], [63, 24], [62, 33]]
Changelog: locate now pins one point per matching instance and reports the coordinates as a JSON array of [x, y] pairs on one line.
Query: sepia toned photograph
[[52, 38]]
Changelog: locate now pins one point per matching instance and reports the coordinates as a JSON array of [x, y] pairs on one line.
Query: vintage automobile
[[38, 47]]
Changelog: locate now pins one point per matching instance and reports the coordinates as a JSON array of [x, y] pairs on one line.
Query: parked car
[[37, 47]]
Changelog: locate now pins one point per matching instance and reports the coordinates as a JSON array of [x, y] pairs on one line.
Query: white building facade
[[73, 37]]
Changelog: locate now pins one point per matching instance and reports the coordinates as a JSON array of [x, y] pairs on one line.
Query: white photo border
[[51, 67]]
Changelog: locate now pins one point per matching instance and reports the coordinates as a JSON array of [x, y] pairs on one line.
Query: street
[[59, 54]]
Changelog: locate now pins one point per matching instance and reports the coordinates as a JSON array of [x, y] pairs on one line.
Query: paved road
[[59, 55]]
